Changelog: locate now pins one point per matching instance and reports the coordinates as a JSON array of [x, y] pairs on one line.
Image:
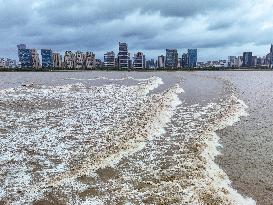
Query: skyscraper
[[192, 58], [184, 60], [90, 60], [57, 60], [35, 60], [109, 59], [271, 56], [240, 61], [99, 63], [171, 58], [123, 56], [139, 60], [161, 61], [24, 56], [69, 60], [232, 61], [254, 61], [80, 60], [47, 58], [247, 59], [2, 63]]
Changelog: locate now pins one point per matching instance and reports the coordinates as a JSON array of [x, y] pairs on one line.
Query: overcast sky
[[218, 28]]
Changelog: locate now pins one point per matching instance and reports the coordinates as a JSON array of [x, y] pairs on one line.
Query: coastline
[[142, 70]]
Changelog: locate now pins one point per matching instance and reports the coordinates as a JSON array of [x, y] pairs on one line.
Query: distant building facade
[[79, 60], [123, 56], [184, 60], [232, 61], [109, 60], [150, 64], [24, 56], [35, 59], [171, 58], [139, 61], [69, 60], [192, 58], [247, 59], [47, 58], [161, 62], [57, 60], [2, 63], [11, 63], [99, 63], [90, 60]]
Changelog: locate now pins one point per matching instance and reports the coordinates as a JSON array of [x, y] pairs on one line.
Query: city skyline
[[79, 60], [148, 54], [149, 26]]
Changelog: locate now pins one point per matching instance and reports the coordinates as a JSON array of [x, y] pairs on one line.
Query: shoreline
[[140, 70]]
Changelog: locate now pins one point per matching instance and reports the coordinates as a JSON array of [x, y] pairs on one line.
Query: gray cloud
[[149, 25]]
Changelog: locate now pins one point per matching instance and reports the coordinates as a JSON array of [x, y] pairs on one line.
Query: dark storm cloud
[[220, 25], [13, 13], [75, 13], [149, 25]]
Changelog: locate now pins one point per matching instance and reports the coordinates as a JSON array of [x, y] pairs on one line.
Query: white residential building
[[90, 60], [57, 60], [69, 60]]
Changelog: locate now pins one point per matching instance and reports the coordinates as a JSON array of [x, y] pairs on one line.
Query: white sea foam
[[220, 179], [113, 144]]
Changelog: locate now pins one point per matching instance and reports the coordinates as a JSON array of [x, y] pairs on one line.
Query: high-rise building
[[57, 60], [24, 56], [232, 61], [47, 58], [179, 63], [150, 64], [184, 60], [139, 61], [259, 61], [35, 60], [161, 61], [99, 63], [171, 58], [240, 61], [247, 59], [268, 59], [192, 58], [10, 63], [109, 60], [80, 60], [90, 60], [22, 46], [254, 61], [123, 56], [271, 56], [2, 63], [69, 60]]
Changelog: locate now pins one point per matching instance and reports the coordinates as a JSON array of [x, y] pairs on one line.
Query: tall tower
[[123, 56], [192, 58], [171, 60], [271, 56]]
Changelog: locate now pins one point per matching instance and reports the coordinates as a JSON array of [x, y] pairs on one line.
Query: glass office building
[[171, 58], [192, 58], [47, 58]]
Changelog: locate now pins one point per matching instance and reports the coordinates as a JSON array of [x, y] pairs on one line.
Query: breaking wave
[[113, 144]]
